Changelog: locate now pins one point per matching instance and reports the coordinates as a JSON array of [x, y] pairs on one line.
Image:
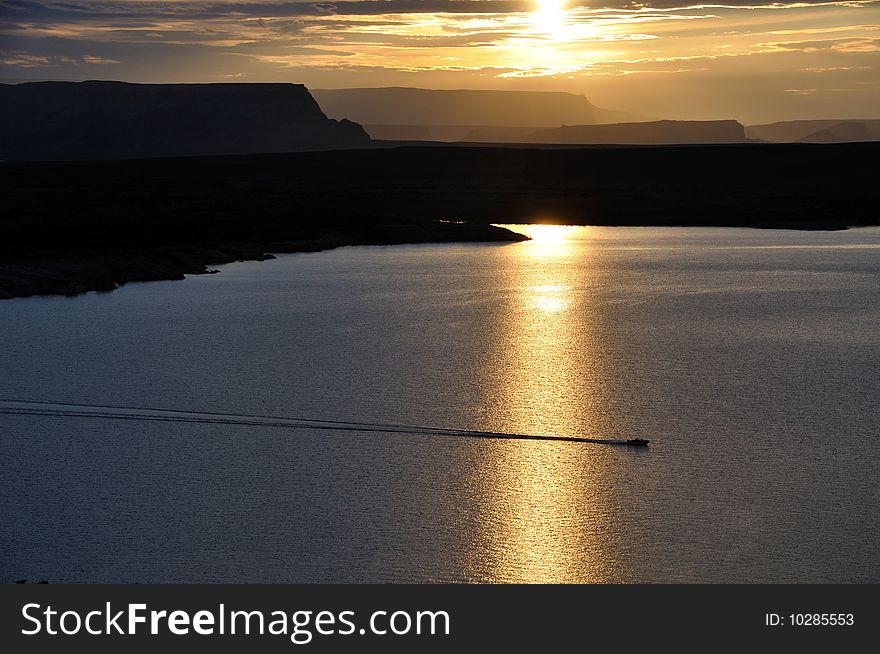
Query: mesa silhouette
[[401, 113], [115, 120], [539, 117]]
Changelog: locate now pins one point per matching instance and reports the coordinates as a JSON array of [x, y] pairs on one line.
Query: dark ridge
[[115, 120], [817, 131], [71, 227], [659, 132]]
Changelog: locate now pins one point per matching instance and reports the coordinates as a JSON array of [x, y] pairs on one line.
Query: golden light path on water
[[544, 505]]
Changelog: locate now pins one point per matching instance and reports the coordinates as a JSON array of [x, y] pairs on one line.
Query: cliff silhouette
[[115, 120], [411, 107]]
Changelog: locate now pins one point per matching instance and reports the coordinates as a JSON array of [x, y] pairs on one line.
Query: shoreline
[[107, 271], [69, 276]]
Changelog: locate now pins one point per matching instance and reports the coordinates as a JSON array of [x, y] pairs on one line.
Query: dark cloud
[[66, 12]]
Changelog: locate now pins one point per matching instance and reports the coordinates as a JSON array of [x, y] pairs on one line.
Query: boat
[[639, 442]]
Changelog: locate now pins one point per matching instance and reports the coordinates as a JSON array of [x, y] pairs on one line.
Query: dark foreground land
[[71, 227]]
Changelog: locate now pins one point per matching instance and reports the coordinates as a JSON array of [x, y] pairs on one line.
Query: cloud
[[78, 10], [833, 69], [826, 45], [94, 60], [25, 60], [655, 46]]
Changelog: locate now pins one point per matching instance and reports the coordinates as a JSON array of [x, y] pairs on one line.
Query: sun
[[550, 17]]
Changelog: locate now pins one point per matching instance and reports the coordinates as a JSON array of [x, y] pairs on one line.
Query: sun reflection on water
[[547, 240], [543, 503]]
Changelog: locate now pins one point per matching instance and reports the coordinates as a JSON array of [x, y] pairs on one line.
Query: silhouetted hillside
[[429, 107], [73, 226], [845, 132], [101, 120], [661, 132], [816, 131]]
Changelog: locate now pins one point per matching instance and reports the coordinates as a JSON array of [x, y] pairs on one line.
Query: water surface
[[749, 358]]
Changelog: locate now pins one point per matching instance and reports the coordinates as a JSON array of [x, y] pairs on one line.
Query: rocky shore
[[108, 270]]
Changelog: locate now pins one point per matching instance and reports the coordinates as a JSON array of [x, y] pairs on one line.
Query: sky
[[752, 60]]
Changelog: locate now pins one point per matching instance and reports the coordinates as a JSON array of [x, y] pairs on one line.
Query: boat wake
[[153, 414]]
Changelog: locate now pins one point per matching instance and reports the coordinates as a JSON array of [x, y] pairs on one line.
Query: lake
[[749, 358]]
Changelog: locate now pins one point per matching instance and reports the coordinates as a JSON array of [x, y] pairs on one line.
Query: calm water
[[751, 359]]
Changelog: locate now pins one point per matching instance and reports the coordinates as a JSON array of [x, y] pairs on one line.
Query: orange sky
[[750, 60]]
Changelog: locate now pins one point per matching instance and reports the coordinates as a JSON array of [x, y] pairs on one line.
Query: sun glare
[[547, 234], [546, 240], [550, 17]]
